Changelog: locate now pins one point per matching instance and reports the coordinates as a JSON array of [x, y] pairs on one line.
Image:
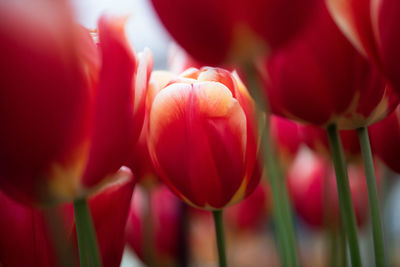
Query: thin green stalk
[[372, 197], [63, 249], [148, 231], [343, 188], [342, 245], [282, 209], [219, 232], [337, 245], [87, 242]]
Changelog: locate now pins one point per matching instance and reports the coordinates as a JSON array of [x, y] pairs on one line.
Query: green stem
[[372, 197], [219, 232], [282, 209], [337, 244], [148, 231], [342, 246], [343, 188], [87, 242]]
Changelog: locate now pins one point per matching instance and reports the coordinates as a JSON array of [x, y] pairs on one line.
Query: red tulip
[[251, 213], [26, 237], [216, 32], [316, 138], [286, 135], [203, 138], [319, 78], [69, 112], [372, 26], [385, 140], [165, 222], [312, 186]]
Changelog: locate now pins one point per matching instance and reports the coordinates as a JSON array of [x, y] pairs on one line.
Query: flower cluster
[[266, 107]]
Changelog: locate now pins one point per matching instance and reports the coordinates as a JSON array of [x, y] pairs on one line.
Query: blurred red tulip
[[373, 28], [319, 78], [251, 213], [312, 187], [216, 32], [26, 237], [165, 222], [203, 138], [316, 138], [385, 140], [70, 113], [286, 135]]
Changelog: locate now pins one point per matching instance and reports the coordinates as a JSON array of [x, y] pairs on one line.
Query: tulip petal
[[113, 129]]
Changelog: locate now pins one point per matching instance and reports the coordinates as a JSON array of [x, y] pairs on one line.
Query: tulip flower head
[[320, 79], [224, 31], [70, 112], [252, 213], [312, 186], [385, 140], [372, 27], [164, 211], [286, 135], [203, 138]]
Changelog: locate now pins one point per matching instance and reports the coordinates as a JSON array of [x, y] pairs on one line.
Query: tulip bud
[[252, 212], [286, 135], [385, 140], [162, 237], [312, 186], [70, 112], [26, 235], [319, 78], [216, 32], [203, 138]]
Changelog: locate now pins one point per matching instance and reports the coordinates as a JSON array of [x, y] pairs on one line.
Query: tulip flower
[[70, 112], [317, 139], [372, 27], [202, 138], [286, 135], [203, 141], [312, 187], [319, 78], [251, 213], [26, 237], [216, 32], [385, 140], [162, 235]]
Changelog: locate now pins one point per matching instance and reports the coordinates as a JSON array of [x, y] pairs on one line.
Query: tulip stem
[[343, 188], [282, 208], [219, 233], [372, 196], [87, 242]]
